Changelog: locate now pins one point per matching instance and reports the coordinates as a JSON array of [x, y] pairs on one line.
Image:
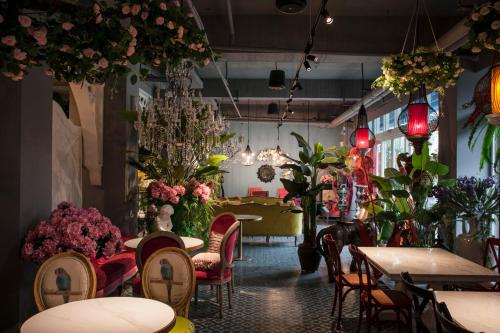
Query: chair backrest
[[334, 254], [221, 223], [153, 242], [168, 276], [446, 320], [228, 245], [492, 250], [361, 263], [251, 190], [65, 277], [421, 297]]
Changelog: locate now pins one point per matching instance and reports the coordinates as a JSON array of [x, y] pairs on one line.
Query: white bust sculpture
[[163, 221]]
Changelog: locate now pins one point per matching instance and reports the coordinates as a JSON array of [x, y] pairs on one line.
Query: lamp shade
[[418, 114], [247, 156], [362, 138], [495, 90], [277, 79]]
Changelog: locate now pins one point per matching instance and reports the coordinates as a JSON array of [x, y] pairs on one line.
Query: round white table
[[190, 243], [104, 315], [244, 218]]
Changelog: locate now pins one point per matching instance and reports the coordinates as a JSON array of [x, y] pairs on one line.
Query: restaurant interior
[[250, 166]]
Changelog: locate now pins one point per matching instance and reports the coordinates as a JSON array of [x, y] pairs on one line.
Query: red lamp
[[362, 137], [418, 120]]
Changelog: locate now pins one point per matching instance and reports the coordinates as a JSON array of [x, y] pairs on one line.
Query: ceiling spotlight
[[311, 57], [326, 16], [307, 66], [291, 111]]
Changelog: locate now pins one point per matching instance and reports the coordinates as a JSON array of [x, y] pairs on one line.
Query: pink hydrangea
[[24, 20], [326, 179], [132, 31], [41, 36], [181, 190]]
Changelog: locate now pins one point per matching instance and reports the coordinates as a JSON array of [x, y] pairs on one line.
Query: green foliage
[[192, 219]]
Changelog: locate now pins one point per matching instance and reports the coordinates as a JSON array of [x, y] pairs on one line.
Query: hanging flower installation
[[97, 42], [484, 28]]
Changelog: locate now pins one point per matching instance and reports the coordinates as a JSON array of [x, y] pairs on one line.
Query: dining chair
[[421, 298], [63, 278], [446, 320], [168, 276], [215, 267], [373, 301], [341, 279]]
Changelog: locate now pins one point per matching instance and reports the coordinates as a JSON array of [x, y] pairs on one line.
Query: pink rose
[[103, 63], [174, 200], [130, 51], [67, 26], [1, 18], [135, 9], [19, 54], [206, 61], [41, 36], [157, 61], [133, 42], [171, 25], [126, 10], [180, 32], [204, 199], [88, 52], [163, 6], [9, 40], [97, 8], [160, 20], [24, 20], [201, 50], [132, 31], [192, 46], [98, 19], [181, 190], [144, 15]]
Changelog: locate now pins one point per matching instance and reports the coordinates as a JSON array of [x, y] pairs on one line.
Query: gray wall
[[262, 136]]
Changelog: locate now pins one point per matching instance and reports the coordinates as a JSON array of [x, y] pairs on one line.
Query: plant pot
[[468, 245], [309, 258]]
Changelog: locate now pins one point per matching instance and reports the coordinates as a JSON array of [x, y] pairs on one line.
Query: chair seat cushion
[[388, 298], [353, 279], [182, 325], [206, 261], [211, 275], [114, 271]]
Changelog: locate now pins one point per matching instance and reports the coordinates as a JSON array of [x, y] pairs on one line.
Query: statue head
[[166, 211]]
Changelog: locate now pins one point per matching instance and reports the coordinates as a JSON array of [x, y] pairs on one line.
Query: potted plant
[[306, 186]]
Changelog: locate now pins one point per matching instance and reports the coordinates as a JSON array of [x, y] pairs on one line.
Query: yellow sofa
[[276, 221]]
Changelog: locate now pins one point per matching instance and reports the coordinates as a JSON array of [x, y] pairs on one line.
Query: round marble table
[[104, 315], [191, 243], [244, 218]]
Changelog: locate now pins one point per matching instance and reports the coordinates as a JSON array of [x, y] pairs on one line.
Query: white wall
[[262, 136]]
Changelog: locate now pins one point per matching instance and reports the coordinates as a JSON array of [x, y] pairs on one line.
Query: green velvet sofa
[[276, 221]]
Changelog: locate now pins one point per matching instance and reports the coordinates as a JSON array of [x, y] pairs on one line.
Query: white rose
[[482, 36], [476, 49], [475, 16], [495, 25], [484, 11]]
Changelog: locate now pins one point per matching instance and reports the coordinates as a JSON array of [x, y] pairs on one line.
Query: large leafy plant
[[305, 183]]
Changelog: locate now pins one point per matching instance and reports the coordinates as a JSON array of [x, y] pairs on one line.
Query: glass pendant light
[[248, 156], [495, 89]]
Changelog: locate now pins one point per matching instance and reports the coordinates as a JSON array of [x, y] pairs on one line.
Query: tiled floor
[[272, 296]]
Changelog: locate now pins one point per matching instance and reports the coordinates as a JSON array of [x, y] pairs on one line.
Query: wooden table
[[191, 243], [104, 315], [429, 265], [476, 311], [244, 218]]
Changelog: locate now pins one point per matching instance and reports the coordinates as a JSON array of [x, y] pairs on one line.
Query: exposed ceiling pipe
[[199, 23], [450, 41], [230, 21]]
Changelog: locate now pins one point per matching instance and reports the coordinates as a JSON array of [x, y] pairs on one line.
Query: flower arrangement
[[98, 42], [83, 230], [406, 72], [484, 28]]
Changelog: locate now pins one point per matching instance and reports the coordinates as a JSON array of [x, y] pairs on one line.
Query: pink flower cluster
[[326, 179], [201, 191], [160, 191], [83, 230]]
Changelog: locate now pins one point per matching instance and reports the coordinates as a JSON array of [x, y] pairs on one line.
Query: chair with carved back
[[373, 301], [342, 280], [168, 276], [64, 277], [446, 320]]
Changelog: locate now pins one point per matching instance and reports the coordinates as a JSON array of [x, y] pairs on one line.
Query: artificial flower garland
[[484, 28], [99, 42], [406, 72]]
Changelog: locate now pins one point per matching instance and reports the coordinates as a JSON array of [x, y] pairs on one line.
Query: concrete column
[[25, 183], [448, 131]]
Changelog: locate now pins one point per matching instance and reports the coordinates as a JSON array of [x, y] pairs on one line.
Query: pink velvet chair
[[251, 190], [215, 267]]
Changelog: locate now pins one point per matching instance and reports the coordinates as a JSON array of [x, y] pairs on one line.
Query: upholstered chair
[[65, 277]]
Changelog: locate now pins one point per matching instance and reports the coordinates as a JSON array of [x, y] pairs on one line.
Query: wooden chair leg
[[361, 310], [229, 295], [232, 281], [335, 296], [221, 298], [295, 241], [196, 294], [369, 319], [341, 290]]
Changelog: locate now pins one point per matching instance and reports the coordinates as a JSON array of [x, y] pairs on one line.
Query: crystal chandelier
[[273, 155], [179, 127]]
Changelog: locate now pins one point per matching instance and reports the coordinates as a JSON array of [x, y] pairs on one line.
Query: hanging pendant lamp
[[248, 156], [494, 117], [418, 120], [277, 79]]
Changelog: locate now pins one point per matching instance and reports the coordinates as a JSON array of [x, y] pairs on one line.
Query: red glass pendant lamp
[[418, 120], [362, 137]]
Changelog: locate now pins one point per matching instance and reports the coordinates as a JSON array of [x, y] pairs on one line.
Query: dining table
[[191, 243], [244, 218], [104, 315], [475, 310], [435, 266]]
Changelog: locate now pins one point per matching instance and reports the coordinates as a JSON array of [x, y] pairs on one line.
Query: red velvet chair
[[219, 273], [251, 190], [282, 192]]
